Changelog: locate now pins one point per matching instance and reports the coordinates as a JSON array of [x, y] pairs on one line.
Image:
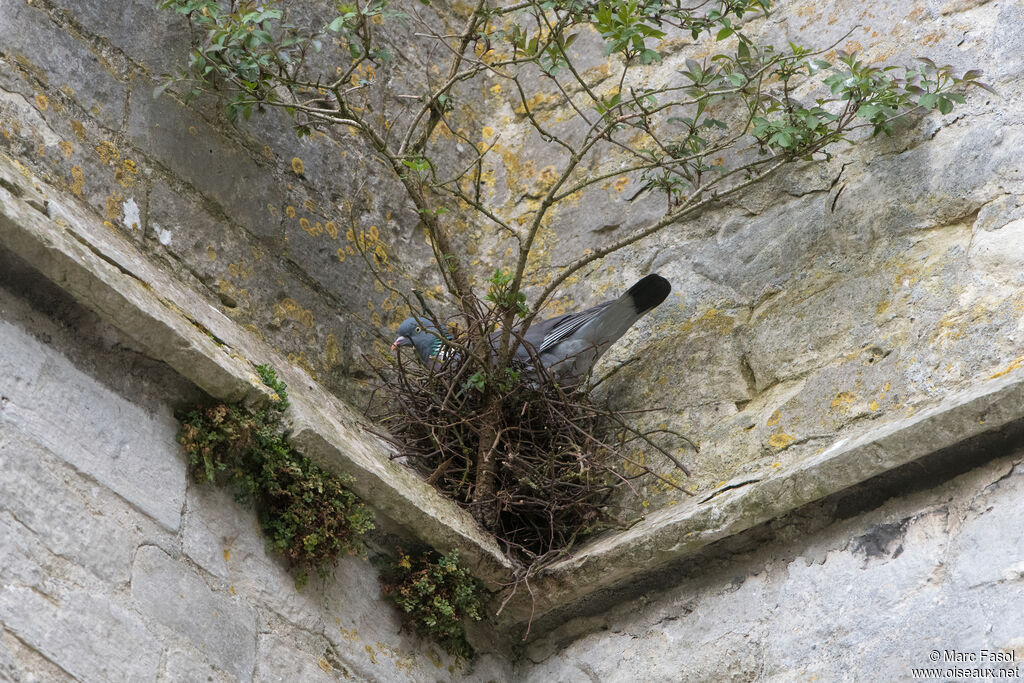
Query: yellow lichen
[[842, 401], [332, 351], [289, 308], [712, 320], [310, 228], [241, 271], [1016, 363], [108, 153], [300, 360], [77, 180], [127, 173], [113, 208]]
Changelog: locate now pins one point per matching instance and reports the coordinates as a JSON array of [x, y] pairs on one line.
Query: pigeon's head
[[421, 334]]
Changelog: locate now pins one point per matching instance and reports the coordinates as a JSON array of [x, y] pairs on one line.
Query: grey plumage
[[424, 336], [567, 345]]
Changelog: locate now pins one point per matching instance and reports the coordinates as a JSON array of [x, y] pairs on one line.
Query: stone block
[[88, 636], [186, 664], [63, 62], [215, 165], [258, 285], [224, 538], [989, 548], [27, 562], [72, 152], [217, 252], [97, 431], [58, 515], [999, 254], [282, 659], [158, 40], [173, 594], [19, 662]]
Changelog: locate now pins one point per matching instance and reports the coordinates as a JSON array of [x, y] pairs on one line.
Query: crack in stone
[[36, 651]]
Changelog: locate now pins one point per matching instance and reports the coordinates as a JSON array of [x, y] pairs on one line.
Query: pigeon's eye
[[418, 329]]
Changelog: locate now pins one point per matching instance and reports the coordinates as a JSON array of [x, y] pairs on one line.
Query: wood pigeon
[[567, 345]]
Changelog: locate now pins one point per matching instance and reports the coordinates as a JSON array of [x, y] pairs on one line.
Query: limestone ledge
[[105, 273], [738, 505]]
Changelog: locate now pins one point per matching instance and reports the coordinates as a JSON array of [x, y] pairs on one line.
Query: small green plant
[[308, 514], [503, 297], [269, 377], [436, 596]]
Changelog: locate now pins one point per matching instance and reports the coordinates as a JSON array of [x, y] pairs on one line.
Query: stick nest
[[561, 458]]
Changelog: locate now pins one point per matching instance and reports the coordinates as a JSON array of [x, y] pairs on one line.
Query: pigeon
[[567, 346]]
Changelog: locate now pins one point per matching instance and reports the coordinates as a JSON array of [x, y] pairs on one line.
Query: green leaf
[[417, 164], [476, 381], [867, 111]]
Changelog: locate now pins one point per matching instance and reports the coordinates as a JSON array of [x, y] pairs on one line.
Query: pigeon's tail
[[621, 314], [648, 293], [570, 344]]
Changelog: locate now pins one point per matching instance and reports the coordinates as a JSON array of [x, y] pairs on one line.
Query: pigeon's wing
[[572, 343], [549, 333]]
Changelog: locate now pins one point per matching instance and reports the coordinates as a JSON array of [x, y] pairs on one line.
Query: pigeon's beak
[[401, 341]]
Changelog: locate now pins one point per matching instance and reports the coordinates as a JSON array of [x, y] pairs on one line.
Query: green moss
[[269, 377], [308, 514], [436, 595]]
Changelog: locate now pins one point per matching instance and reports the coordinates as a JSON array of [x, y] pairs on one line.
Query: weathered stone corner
[[108, 275], [103, 272]]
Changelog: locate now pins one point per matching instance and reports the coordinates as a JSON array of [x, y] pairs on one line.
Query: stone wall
[[838, 295], [841, 301], [117, 567], [250, 216], [841, 295], [834, 593]]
